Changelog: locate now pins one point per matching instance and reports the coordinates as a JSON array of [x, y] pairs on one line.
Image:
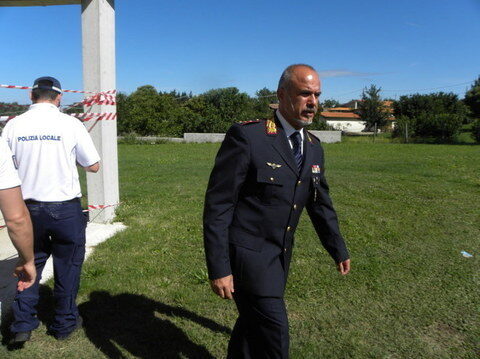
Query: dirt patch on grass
[[442, 338]]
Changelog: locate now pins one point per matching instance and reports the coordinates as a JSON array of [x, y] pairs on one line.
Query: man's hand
[[344, 267], [26, 274], [223, 287]]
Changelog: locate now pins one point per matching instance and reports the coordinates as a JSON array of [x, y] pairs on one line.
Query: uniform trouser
[[261, 330], [59, 230]]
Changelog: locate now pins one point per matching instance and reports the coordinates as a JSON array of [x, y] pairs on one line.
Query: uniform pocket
[[241, 238], [269, 186]]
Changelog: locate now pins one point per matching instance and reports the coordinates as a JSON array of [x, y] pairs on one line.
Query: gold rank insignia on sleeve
[[270, 127]]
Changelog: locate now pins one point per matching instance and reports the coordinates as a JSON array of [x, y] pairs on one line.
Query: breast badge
[[273, 165]]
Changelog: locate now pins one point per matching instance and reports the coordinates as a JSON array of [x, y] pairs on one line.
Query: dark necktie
[[297, 150]]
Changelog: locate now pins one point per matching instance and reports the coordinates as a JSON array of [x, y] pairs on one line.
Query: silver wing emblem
[[273, 165]]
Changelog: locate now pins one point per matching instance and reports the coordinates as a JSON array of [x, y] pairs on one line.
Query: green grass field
[[406, 211]]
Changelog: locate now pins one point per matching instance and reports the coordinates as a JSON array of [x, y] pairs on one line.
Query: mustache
[[310, 110]]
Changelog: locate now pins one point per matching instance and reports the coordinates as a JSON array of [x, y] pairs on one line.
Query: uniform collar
[[43, 106], [289, 130]]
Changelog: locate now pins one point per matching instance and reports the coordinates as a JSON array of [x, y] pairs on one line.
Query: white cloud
[[413, 24]]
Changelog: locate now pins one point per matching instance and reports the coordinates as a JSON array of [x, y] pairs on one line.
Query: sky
[[403, 47]]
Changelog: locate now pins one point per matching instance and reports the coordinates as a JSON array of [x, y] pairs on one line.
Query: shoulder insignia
[[270, 127], [248, 122]]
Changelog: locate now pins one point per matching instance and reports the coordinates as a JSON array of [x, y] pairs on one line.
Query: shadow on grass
[[137, 324]]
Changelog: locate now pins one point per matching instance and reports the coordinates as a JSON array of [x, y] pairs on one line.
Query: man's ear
[[31, 96], [58, 99], [281, 94]]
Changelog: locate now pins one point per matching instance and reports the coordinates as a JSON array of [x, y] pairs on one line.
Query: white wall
[[348, 126]]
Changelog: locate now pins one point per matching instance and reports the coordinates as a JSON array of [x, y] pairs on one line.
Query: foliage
[[442, 126], [148, 112], [372, 109], [320, 124], [124, 126], [228, 105], [11, 109], [437, 115], [330, 103], [263, 99], [434, 103], [404, 127], [472, 99], [476, 130]]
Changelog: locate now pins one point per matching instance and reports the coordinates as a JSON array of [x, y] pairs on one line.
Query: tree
[[143, 111], [330, 103], [472, 99], [264, 98], [124, 125], [225, 106], [436, 115], [476, 130], [11, 109], [372, 109], [435, 103]]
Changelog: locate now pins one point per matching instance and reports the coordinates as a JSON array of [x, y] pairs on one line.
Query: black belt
[[32, 201]]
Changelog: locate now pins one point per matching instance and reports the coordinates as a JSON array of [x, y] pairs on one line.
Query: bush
[[319, 124], [476, 131], [403, 124], [439, 126]]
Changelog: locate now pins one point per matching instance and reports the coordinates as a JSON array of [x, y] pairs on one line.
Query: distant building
[[345, 118]]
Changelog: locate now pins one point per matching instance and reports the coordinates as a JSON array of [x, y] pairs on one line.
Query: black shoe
[[64, 336], [20, 338]]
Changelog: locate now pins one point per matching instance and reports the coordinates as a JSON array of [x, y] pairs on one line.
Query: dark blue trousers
[[59, 230], [261, 330]]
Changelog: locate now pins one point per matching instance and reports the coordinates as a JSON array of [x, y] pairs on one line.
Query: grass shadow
[[137, 324]]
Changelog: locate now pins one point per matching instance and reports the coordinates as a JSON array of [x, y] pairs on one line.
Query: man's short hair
[[46, 88], [44, 95], [287, 74]]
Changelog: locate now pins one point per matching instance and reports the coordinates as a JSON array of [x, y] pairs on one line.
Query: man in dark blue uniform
[[265, 173]]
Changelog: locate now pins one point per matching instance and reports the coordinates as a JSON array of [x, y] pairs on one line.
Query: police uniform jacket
[[253, 204]]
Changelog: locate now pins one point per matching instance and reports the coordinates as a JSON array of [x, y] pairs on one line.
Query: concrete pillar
[[98, 37]]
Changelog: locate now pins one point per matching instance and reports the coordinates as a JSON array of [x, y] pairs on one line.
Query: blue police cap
[[47, 83]]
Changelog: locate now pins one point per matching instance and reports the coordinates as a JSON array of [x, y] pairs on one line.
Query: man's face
[[299, 98]]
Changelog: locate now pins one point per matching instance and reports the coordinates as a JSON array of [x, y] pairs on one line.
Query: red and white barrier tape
[[92, 207], [15, 87], [95, 116], [82, 116], [12, 105], [71, 91], [102, 98], [97, 98]]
